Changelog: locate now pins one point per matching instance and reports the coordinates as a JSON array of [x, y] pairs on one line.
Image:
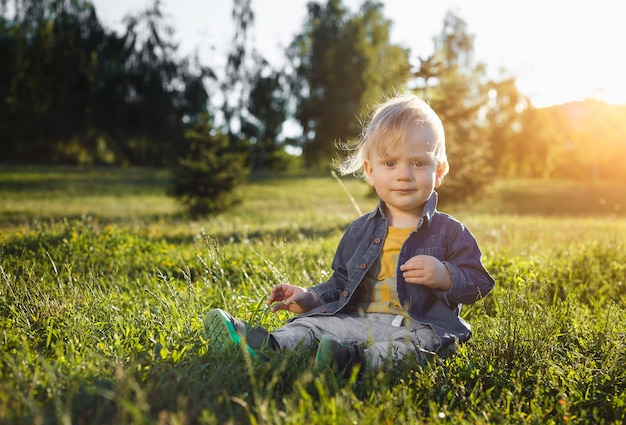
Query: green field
[[104, 284]]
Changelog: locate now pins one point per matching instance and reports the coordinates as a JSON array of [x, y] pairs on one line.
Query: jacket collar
[[430, 207]]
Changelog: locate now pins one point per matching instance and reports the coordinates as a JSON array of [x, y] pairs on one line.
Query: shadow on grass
[[221, 386], [80, 181]]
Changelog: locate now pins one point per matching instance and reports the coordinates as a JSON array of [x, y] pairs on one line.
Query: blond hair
[[389, 124]]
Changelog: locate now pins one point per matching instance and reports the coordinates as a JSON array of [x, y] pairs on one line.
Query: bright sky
[[560, 50]]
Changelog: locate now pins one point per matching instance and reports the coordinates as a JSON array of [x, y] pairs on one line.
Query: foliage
[[342, 64], [101, 315], [160, 93], [504, 122], [204, 180], [235, 85], [577, 140], [458, 90], [36, 54], [267, 109], [74, 92]]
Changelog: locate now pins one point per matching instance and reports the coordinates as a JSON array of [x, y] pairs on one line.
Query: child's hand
[[292, 298], [428, 271]]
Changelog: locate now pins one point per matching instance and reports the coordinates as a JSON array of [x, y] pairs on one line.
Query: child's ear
[[369, 172], [442, 170]]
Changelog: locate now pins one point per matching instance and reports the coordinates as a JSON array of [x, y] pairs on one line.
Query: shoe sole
[[220, 330]]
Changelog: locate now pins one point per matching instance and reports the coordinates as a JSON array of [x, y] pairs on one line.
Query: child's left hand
[[292, 298], [428, 271]]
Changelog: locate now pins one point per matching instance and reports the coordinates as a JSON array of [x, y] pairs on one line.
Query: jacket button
[[345, 294], [377, 240], [362, 266], [323, 310]]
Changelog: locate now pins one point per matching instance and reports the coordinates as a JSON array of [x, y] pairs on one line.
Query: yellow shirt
[[378, 292]]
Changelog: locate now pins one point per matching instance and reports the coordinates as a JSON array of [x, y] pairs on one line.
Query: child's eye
[[419, 164], [389, 163]]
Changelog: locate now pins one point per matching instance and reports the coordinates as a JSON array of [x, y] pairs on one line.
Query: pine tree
[[206, 178]]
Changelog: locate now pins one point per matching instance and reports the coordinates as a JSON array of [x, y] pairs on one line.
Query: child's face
[[404, 176]]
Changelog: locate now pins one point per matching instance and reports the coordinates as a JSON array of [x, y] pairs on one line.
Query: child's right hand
[[292, 298]]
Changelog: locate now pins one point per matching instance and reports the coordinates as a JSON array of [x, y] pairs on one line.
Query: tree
[[48, 71], [266, 113], [458, 90], [204, 180], [504, 119], [154, 92], [235, 84], [74, 92], [342, 64], [586, 138], [540, 145], [213, 161]]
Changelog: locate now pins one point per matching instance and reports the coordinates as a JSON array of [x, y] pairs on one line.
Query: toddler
[[400, 272]]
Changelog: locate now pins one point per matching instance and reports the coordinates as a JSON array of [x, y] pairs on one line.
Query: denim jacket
[[438, 235]]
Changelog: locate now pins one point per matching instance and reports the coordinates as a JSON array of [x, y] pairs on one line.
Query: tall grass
[[104, 285]]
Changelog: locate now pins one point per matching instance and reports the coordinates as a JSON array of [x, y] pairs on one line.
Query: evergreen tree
[[205, 179]]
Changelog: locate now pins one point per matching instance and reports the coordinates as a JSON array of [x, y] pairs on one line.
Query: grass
[[104, 285]]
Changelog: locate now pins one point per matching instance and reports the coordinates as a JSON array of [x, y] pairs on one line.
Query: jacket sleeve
[[470, 280], [331, 289]]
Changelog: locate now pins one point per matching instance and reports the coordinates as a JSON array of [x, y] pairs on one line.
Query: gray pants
[[386, 336]]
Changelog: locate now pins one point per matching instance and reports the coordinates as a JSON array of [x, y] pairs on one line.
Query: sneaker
[[223, 329], [344, 358]]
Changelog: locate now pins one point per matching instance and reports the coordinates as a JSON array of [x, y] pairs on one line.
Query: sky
[[559, 50]]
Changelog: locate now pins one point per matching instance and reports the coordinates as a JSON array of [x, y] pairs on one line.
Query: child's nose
[[404, 171]]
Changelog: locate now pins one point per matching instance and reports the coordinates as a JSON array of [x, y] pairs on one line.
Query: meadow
[[104, 285]]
